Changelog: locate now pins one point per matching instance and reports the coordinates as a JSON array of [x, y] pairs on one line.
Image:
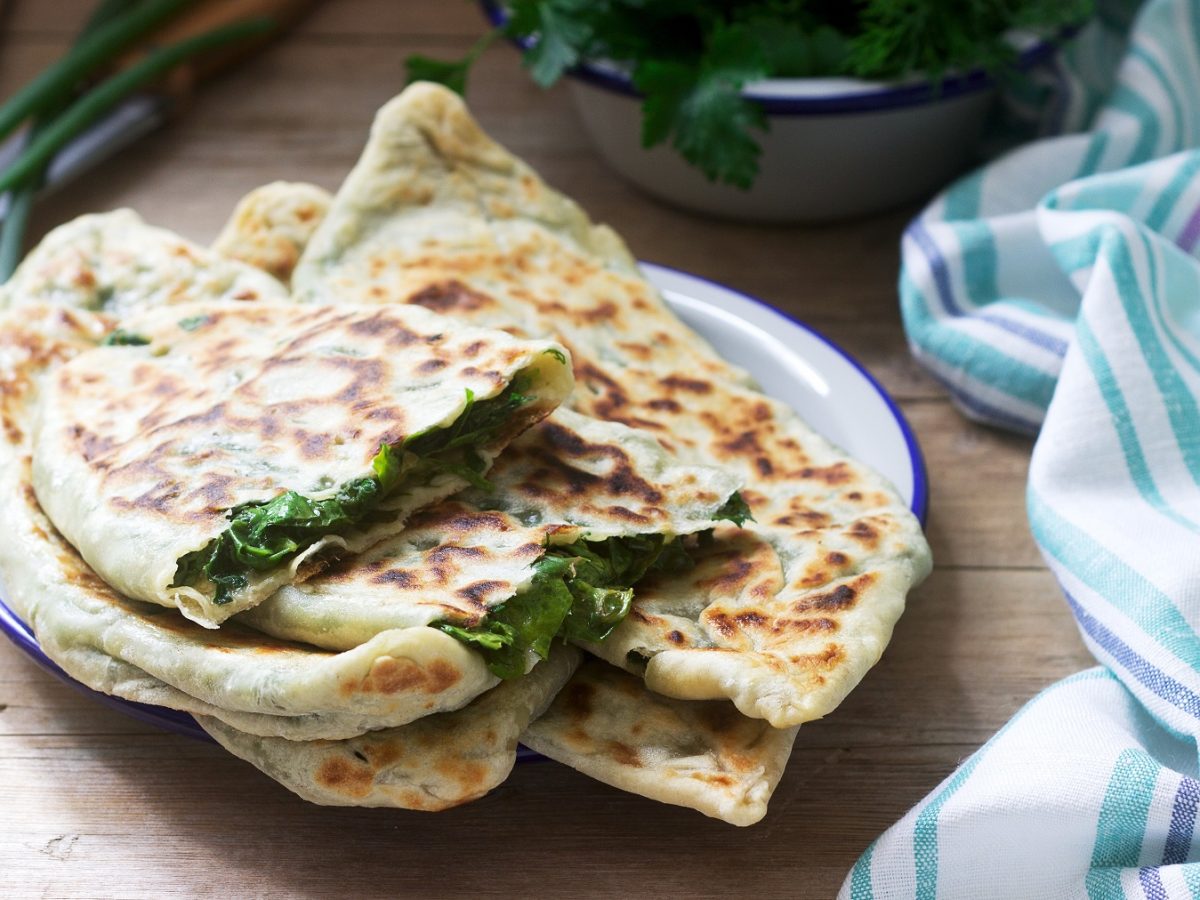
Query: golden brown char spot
[[623, 480], [864, 533], [838, 473], [827, 659], [379, 753], [397, 577], [606, 309], [734, 574], [814, 577], [351, 778], [624, 755], [746, 443], [451, 552], [470, 776], [844, 596], [642, 352], [639, 616], [803, 626], [477, 592], [577, 698], [721, 622], [691, 385], [215, 493], [313, 445], [444, 296], [473, 521], [626, 514], [750, 619], [389, 675], [665, 404]]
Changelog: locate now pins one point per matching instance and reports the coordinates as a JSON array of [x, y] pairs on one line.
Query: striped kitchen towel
[[1057, 292]]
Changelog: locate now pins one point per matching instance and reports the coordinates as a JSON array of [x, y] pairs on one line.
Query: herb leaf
[[191, 323], [700, 107], [735, 510], [450, 72], [563, 31], [579, 591], [120, 338], [266, 534]]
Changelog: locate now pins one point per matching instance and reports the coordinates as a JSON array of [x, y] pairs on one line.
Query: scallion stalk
[[110, 92], [20, 199], [110, 38]]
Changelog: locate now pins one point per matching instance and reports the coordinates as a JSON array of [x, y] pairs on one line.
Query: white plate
[[792, 362], [823, 383]]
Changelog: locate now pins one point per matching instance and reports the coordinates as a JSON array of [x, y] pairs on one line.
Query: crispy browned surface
[[432, 764], [95, 802], [436, 213], [142, 413], [700, 754]]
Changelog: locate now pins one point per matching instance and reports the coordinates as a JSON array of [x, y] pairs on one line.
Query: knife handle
[[205, 16]]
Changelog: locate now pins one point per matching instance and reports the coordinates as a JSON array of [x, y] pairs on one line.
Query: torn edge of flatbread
[[431, 764], [271, 226], [704, 755]]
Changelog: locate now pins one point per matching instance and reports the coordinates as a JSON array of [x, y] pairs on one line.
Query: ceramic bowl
[[835, 148]]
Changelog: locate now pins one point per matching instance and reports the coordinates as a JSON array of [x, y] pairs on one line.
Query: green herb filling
[[119, 338], [580, 591], [266, 534]]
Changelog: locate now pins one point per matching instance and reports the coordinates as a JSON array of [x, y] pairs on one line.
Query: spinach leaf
[[266, 534], [119, 338], [191, 323], [735, 510], [580, 591]]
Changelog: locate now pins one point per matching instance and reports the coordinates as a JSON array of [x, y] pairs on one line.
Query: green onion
[[20, 200], [11, 236], [58, 81], [109, 93]]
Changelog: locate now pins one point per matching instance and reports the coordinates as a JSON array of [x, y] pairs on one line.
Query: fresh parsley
[[690, 60]]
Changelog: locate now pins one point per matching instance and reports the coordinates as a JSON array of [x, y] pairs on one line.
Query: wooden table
[[94, 804]]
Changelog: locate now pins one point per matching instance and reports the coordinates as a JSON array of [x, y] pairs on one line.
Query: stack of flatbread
[[388, 481]]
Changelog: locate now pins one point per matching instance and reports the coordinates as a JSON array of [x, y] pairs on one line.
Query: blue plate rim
[[920, 475]]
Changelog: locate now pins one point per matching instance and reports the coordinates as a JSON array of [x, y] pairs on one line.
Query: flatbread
[[568, 478], [703, 755], [115, 263], [259, 685], [142, 452], [432, 764], [271, 226], [784, 617], [149, 654]]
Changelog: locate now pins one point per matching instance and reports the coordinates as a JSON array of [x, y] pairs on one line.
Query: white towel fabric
[[1057, 292]]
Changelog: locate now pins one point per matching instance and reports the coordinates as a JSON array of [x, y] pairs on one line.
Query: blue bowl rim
[[884, 95]]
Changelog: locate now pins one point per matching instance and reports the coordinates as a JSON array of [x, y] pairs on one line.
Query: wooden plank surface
[[95, 804]]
